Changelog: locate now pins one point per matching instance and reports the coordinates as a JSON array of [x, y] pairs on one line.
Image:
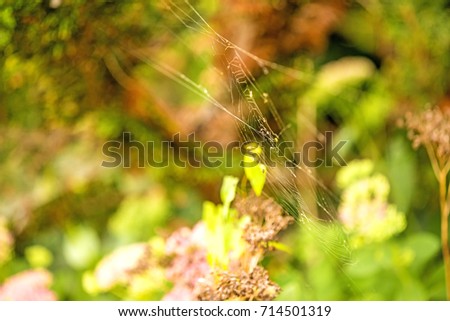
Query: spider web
[[251, 107]]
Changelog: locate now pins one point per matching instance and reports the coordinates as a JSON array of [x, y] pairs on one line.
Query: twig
[[433, 160], [444, 228]]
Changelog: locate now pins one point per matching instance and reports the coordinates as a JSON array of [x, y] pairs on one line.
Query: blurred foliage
[[72, 78]]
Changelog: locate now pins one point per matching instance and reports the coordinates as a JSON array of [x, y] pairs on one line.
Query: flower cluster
[[132, 272], [120, 266], [217, 259], [364, 210], [30, 285], [198, 275], [188, 263], [245, 279]]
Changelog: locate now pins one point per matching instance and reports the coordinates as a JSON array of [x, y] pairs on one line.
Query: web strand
[[245, 105]]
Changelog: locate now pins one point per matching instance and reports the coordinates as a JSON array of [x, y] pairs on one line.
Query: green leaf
[[89, 283], [228, 189], [257, 177], [254, 170], [38, 256], [215, 235], [209, 215], [81, 246], [425, 246], [138, 215], [402, 171], [281, 247]]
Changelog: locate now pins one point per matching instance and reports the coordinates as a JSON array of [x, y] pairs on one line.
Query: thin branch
[[444, 228], [446, 168], [117, 72], [448, 195], [433, 160]]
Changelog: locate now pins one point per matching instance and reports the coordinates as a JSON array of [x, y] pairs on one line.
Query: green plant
[[431, 129]]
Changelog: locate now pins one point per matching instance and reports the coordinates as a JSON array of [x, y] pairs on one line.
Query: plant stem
[[441, 170], [444, 228]]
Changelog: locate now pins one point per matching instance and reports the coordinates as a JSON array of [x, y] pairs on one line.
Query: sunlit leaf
[[38, 256], [228, 189]]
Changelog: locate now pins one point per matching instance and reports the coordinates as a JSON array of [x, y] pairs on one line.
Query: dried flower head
[[267, 221], [241, 285], [431, 129]]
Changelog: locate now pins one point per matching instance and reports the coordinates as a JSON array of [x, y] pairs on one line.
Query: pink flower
[[188, 250], [31, 285]]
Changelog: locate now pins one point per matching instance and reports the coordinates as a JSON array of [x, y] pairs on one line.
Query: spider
[[269, 136]]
